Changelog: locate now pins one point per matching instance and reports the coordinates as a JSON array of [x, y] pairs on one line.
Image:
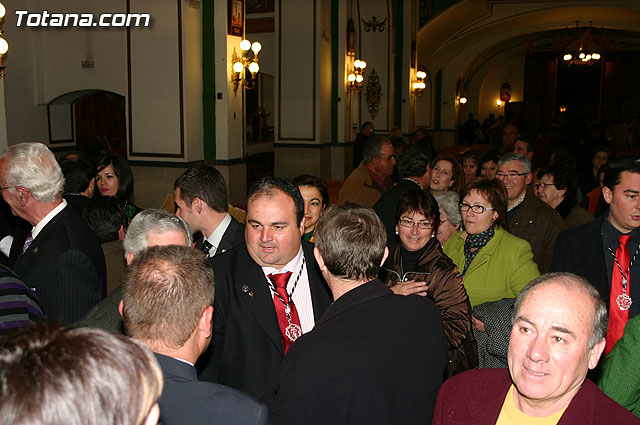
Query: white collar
[[47, 218], [519, 200], [216, 237]]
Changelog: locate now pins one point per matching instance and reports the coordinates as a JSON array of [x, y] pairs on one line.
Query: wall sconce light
[[499, 103], [245, 68], [355, 76], [419, 85], [462, 100], [4, 46]]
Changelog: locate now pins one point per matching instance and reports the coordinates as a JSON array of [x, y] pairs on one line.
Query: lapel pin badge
[[245, 289], [35, 250]]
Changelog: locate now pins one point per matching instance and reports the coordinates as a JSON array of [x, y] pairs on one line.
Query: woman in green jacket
[[494, 264]]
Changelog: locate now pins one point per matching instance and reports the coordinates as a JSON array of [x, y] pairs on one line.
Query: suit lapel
[[229, 239], [320, 299], [594, 256], [30, 256], [253, 290]]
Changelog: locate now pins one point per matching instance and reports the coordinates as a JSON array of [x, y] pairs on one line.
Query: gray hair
[[572, 282], [526, 163], [449, 201], [153, 220], [34, 167]]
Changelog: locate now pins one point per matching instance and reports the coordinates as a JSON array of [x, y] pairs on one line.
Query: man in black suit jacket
[[150, 227], [166, 303], [60, 257], [249, 340], [414, 171], [587, 250], [374, 357], [200, 194]]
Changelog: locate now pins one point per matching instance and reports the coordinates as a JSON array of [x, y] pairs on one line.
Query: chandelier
[[582, 49]]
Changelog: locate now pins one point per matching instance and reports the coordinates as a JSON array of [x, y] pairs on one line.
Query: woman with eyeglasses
[[417, 265], [494, 264]]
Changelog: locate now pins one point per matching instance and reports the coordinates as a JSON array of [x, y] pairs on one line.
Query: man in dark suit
[[150, 227], [374, 357], [200, 194], [167, 303], [60, 257], [268, 292], [593, 249], [414, 171]]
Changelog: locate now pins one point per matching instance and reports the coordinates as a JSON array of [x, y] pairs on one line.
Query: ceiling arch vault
[[474, 39]]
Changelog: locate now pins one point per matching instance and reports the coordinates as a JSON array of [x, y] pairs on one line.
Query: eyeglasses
[[422, 225], [543, 185], [478, 209], [512, 175]]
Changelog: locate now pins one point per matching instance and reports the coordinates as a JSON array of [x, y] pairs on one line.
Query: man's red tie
[[618, 318], [280, 282]]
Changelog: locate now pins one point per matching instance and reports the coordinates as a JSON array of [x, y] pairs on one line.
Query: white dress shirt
[[302, 293]]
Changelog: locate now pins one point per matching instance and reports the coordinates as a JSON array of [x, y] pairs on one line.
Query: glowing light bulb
[[359, 78], [463, 100], [237, 67], [254, 67], [2, 10], [256, 47], [595, 56], [421, 74], [567, 57], [351, 77], [581, 55], [4, 46], [245, 45]]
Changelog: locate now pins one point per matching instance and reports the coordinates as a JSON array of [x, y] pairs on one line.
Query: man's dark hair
[[351, 240], [123, 172], [204, 182], [77, 173], [614, 170], [268, 186], [413, 161], [365, 124], [104, 217], [373, 147], [563, 178], [530, 141]]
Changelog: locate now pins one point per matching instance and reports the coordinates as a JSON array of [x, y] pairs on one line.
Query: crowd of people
[[437, 288]]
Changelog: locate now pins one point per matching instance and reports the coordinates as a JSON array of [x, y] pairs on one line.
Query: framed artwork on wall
[[236, 17]]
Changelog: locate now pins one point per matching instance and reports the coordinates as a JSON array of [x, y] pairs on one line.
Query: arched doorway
[[92, 121]]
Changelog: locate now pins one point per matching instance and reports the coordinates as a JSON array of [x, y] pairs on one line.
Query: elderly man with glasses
[[528, 217]]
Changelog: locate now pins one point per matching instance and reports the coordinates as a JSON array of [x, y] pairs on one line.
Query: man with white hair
[[60, 257], [148, 228]]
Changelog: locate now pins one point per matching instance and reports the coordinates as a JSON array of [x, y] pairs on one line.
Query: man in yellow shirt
[[558, 334]]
